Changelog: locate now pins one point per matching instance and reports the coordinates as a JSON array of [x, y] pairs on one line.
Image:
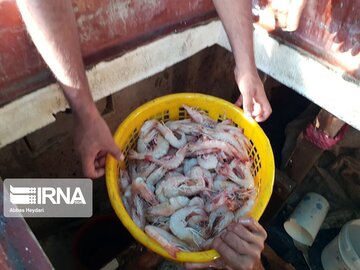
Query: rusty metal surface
[[328, 29], [19, 248], [107, 28]]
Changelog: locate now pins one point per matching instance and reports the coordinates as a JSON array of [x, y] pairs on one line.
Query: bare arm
[[236, 17], [52, 27], [237, 20]]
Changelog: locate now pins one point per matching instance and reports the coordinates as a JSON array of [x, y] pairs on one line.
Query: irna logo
[[46, 195]]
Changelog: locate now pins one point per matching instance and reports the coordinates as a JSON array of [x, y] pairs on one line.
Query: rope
[[321, 139]]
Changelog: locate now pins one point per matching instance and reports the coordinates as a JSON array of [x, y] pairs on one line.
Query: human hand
[[93, 141], [253, 97], [285, 14], [240, 247]]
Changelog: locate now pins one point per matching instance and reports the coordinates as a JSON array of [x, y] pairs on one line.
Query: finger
[[247, 104], [88, 165], [190, 266], [253, 226], [239, 245], [294, 14], [99, 172], [239, 102], [242, 232], [115, 151], [100, 162], [265, 108], [229, 256]]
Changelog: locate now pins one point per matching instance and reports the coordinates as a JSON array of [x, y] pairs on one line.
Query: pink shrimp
[[186, 126], [238, 172], [170, 137], [182, 186], [124, 179], [231, 198], [139, 187], [247, 205], [170, 161], [155, 176], [219, 220], [178, 225], [169, 242], [210, 144], [201, 174], [207, 162], [168, 208], [138, 212], [228, 138], [145, 168], [199, 117]]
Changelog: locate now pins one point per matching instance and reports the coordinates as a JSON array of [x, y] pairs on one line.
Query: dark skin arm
[[53, 29]]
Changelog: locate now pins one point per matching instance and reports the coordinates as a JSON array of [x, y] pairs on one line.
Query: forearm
[[52, 27], [236, 17]]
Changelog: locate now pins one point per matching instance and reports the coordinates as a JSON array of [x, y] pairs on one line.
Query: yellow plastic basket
[[169, 108]]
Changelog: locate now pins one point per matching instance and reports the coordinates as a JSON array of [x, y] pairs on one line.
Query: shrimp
[[210, 144], [197, 201], [139, 187], [161, 222], [161, 148], [221, 183], [182, 186], [207, 162], [138, 212], [145, 168], [199, 173], [155, 176], [169, 242], [247, 206], [170, 161], [168, 208], [178, 225], [124, 179], [199, 222], [159, 191], [238, 172], [199, 117], [126, 204], [188, 164], [219, 220], [170, 137], [232, 198], [228, 138], [186, 126]]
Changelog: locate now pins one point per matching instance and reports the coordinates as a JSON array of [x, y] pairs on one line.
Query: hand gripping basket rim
[[167, 108]]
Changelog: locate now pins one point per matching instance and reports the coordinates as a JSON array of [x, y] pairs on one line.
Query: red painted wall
[[329, 29], [107, 28]]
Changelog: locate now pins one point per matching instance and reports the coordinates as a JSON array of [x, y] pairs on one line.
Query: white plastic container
[[343, 252], [305, 222]]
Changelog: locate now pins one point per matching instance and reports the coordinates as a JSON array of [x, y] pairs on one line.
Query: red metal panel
[[330, 30], [19, 248], [107, 27]]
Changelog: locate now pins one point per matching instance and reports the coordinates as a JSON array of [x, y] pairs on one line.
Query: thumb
[[248, 105], [239, 102], [115, 151], [191, 266]]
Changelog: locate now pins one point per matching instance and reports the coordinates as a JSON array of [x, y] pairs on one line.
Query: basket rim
[[115, 198]]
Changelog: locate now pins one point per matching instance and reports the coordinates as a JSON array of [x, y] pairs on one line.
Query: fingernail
[[244, 220]]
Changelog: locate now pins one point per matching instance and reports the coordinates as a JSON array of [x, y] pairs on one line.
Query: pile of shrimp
[[188, 180]]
